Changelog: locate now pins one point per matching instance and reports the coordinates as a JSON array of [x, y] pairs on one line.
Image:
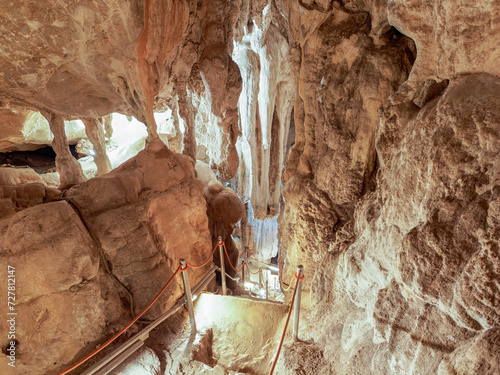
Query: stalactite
[[146, 72]]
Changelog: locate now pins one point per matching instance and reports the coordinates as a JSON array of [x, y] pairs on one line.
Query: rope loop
[[229, 260], [297, 277]]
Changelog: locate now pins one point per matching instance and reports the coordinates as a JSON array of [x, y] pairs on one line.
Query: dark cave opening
[[41, 160]]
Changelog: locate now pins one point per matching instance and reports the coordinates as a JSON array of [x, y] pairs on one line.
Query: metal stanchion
[[189, 298], [267, 284], [260, 278], [243, 272], [297, 303], [222, 267]]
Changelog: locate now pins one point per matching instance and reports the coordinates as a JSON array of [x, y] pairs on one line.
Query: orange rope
[[205, 263], [229, 260], [179, 269], [85, 359], [289, 285], [284, 331], [253, 273]]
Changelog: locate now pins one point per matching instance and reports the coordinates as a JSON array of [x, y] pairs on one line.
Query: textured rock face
[[262, 52], [342, 77], [451, 37], [423, 272], [390, 186], [81, 62], [57, 285], [404, 267], [137, 213], [86, 60], [28, 130], [113, 237]]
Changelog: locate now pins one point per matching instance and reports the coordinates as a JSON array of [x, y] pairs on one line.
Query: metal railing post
[[222, 267], [267, 284], [260, 277], [243, 272], [297, 303], [189, 298]]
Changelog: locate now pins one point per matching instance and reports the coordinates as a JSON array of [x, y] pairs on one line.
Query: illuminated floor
[[244, 339]]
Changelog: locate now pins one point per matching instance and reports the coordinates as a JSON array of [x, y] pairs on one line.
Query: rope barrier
[[86, 358], [287, 321], [253, 273], [205, 263], [180, 270], [107, 343], [280, 276], [290, 285], [229, 260]]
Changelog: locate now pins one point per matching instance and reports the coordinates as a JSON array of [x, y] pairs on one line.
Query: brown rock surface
[[57, 285], [146, 215], [342, 77], [135, 223]]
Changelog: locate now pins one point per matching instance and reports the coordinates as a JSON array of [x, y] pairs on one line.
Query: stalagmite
[[95, 131]]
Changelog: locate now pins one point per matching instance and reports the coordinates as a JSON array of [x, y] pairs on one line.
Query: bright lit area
[[235, 335]]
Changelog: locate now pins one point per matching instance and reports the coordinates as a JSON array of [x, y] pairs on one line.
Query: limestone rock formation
[[28, 130], [394, 211], [224, 210], [362, 138], [87, 262], [56, 286]]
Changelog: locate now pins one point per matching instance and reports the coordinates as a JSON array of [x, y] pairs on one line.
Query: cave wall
[[117, 238], [91, 260], [394, 210]]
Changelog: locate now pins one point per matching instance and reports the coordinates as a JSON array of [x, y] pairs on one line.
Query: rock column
[[95, 131], [70, 171]]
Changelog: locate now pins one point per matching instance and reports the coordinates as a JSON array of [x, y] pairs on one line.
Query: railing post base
[[296, 314], [187, 292], [222, 267]]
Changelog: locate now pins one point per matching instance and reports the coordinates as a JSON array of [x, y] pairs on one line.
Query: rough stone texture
[[57, 285], [88, 59], [95, 131], [342, 77], [262, 52], [13, 176], [419, 285], [70, 171], [451, 37], [479, 355], [28, 130], [224, 210], [390, 189], [146, 215], [397, 225], [116, 236]]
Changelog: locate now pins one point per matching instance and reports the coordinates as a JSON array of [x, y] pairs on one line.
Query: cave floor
[[235, 335]]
